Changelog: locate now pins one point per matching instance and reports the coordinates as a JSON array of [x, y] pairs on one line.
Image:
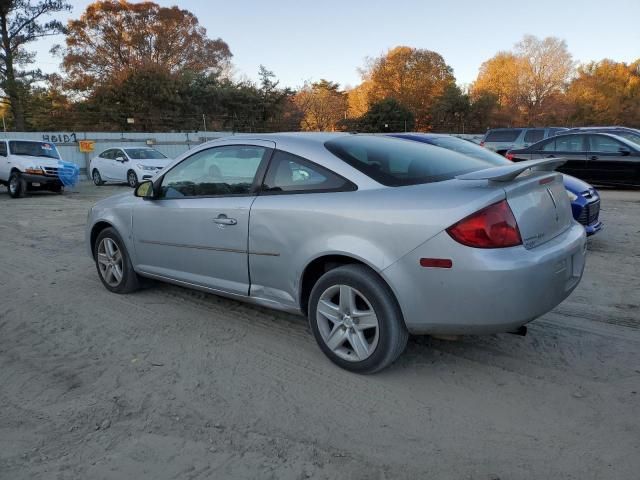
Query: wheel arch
[[95, 231], [326, 262]]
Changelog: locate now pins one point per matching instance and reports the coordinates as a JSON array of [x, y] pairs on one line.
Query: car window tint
[[569, 143], [603, 144], [107, 154], [395, 162], [228, 170], [3, 149], [117, 153], [549, 146], [534, 135], [290, 173], [503, 135]]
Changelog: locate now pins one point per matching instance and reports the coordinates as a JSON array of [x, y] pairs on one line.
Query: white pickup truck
[[27, 165]]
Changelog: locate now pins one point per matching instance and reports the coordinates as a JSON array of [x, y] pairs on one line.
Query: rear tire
[[17, 185], [113, 263], [97, 179], [132, 179], [59, 189], [359, 325]]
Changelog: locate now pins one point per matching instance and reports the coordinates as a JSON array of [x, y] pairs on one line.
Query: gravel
[[172, 383]]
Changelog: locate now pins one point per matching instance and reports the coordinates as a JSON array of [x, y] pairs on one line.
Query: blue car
[[585, 201]]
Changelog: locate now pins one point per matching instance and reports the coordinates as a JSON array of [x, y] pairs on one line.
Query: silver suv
[[501, 140]]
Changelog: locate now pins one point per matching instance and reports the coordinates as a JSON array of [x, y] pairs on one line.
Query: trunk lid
[[537, 197]]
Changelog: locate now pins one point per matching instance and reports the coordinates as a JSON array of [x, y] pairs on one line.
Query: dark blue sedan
[[585, 201]]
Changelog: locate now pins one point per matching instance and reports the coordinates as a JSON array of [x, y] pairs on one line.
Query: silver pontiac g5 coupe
[[370, 237]]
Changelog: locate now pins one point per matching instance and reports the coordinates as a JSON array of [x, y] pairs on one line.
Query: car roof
[[615, 128]]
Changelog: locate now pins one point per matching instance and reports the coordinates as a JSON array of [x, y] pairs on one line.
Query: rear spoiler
[[510, 172]]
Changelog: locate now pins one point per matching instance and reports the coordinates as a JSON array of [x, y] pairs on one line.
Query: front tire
[[356, 319], [97, 179], [59, 189], [113, 263], [17, 185], [132, 179]]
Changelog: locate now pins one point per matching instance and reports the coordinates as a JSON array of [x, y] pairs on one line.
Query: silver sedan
[[370, 237]]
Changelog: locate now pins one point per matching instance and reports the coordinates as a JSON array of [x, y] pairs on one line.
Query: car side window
[[549, 146], [603, 144], [117, 153], [534, 135], [3, 149], [289, 173], [108, 154], [226, 170], [570, 143]]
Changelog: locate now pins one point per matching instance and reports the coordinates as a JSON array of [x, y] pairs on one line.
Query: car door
[[570, 147], [105, 164], [196, 232], [119, 165], [5, 166], [610, 161]]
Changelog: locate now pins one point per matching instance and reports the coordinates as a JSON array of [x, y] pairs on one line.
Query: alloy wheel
[[347, 323], [132, 179], [13, 185], [110, 262]]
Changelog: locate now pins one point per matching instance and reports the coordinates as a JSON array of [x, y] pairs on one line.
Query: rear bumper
[[486, 291]]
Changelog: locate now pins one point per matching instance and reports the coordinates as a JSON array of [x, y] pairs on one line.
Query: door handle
[[222, 219]]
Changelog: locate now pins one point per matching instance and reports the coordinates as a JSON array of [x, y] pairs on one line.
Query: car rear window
[[503, 135], [534, 135], [394, 162]]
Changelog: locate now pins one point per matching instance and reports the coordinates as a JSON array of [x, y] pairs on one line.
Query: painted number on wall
[[60, 138]]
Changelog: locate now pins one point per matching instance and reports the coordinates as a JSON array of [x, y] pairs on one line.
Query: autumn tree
[[527, 81], [606, 93], [323, 105], [387, 115], [451, 109], [414, 77], [546, 68], [113, 38], [22, 22]]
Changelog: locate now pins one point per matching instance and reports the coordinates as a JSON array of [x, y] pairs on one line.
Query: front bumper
[[42, 179], [486, 290]]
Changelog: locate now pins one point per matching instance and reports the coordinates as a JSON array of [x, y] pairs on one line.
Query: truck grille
[[56, 172], [590, 213]]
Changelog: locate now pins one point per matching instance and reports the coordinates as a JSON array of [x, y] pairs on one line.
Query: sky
[[309, 40]]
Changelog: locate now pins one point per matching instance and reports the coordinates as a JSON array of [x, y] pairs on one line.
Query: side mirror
[[145, 190], [624, 151], [121, 159]]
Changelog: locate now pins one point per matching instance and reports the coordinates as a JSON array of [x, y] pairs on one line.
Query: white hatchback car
[[127, 164]]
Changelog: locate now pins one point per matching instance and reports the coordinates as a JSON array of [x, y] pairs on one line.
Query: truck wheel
[[57, 189], [97, 179], [17, 185]]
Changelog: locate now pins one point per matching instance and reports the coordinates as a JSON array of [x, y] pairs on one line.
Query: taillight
[[492, 227], [509, 156]]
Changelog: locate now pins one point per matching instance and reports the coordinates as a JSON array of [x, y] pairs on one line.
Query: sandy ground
[[171, 383]]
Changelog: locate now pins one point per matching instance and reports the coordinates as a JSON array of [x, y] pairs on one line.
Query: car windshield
[[394, 162], [34, 149], [144, 153], [467, 148]]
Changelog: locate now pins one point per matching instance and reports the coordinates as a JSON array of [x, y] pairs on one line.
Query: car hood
[[576, 185]]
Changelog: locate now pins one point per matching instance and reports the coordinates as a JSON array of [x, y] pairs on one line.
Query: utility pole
[[204, 122]]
